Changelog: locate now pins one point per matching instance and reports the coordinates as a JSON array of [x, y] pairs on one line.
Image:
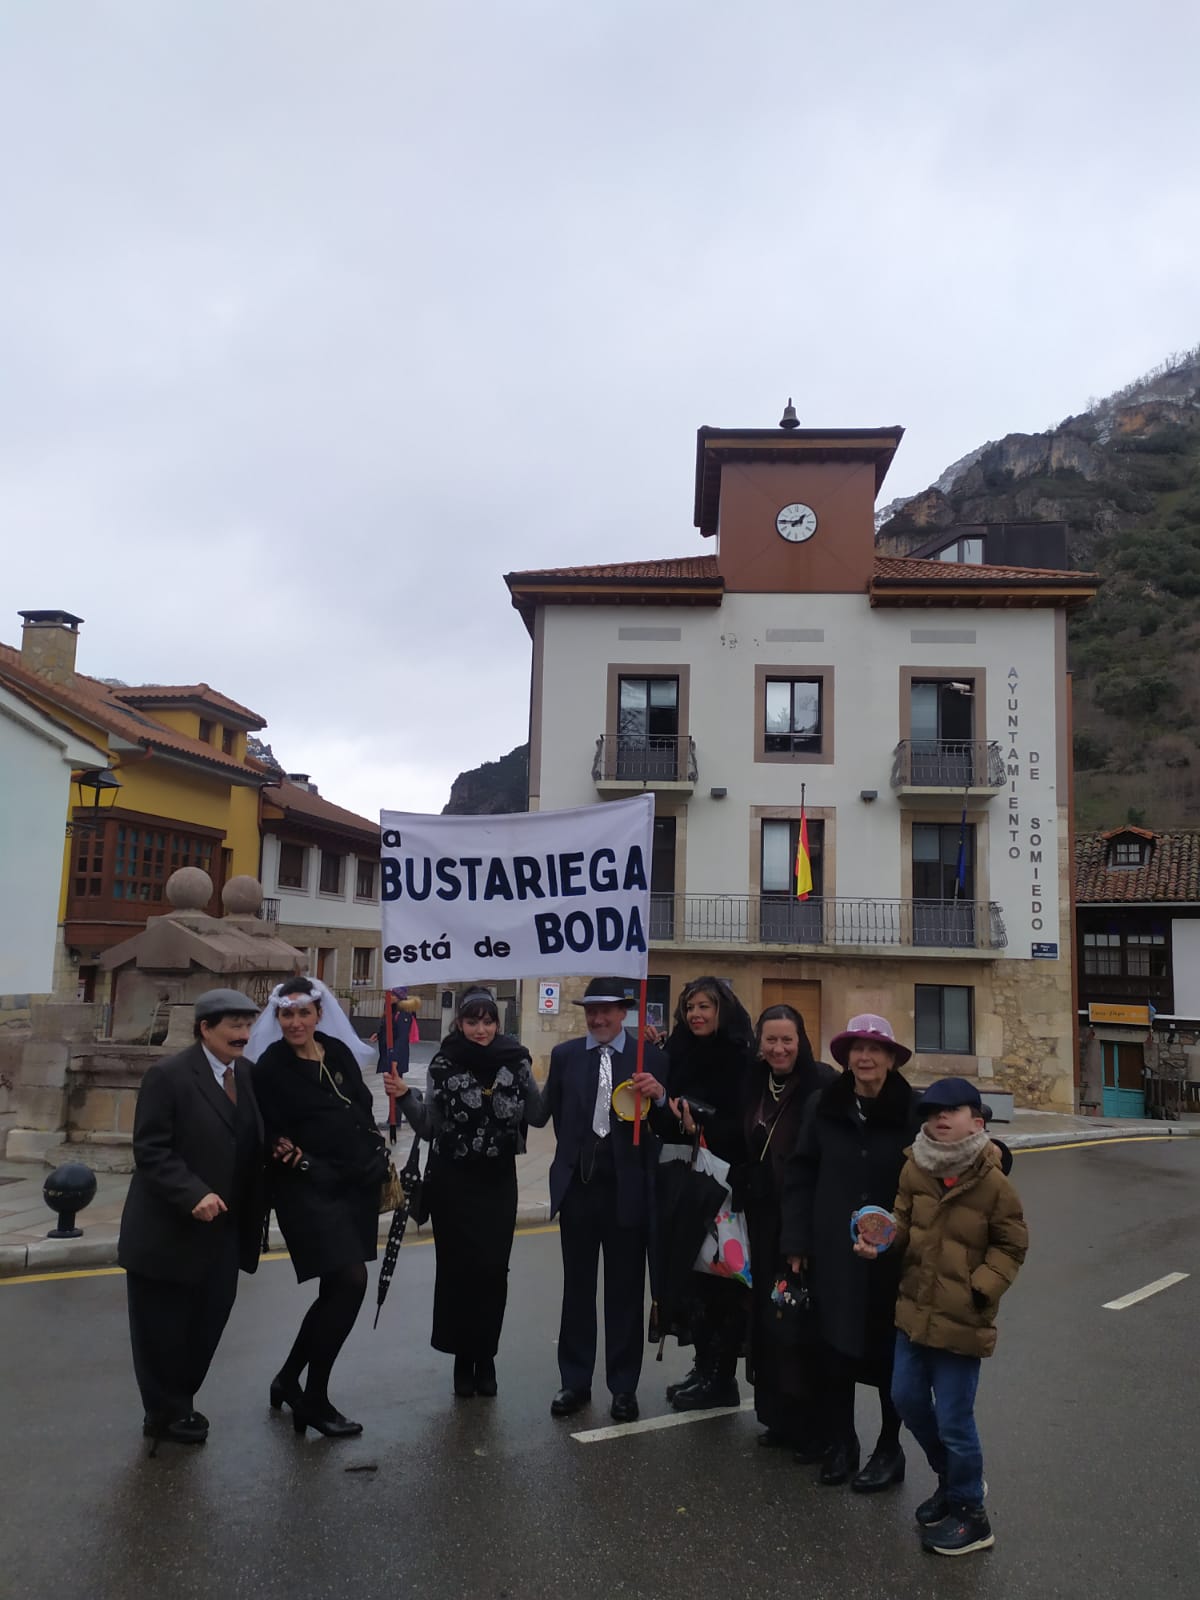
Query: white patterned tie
[[603, 1094]]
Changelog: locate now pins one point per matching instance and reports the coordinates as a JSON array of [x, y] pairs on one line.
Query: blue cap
[[947, 1093]]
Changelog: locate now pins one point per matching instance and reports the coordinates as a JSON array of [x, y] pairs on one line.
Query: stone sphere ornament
[[189, 889], [242, 896], [67, 1190]]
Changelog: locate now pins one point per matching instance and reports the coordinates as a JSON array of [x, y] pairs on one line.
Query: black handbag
[[793, 1319]]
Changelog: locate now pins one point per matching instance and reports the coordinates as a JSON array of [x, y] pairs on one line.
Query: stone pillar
[[58, 1033]]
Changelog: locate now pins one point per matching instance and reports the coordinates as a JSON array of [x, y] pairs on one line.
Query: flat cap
[[223, 1003]]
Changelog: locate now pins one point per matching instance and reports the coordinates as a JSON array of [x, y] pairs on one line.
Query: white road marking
[[1156, 1287], [674, 1419]]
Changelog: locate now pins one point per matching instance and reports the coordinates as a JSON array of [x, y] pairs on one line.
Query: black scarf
[[482, 1061]]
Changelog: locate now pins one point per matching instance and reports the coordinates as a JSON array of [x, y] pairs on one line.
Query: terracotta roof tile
[[95, 702], [1172, 873], [687, 567], [909, 570], [140, 693], [305, 806]]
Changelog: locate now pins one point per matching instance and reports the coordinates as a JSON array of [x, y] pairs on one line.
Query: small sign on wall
[[549, 997], [1044, 952]]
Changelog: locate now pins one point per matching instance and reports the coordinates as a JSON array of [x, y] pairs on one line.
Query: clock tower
[[792, 509]]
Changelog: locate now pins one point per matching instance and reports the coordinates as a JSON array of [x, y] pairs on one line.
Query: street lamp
[[102, 785]]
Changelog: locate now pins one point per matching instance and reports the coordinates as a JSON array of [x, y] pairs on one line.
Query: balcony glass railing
[[781, 919]]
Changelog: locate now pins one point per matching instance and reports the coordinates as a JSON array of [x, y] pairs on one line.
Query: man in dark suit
[[193, 1214], [601, 1187]]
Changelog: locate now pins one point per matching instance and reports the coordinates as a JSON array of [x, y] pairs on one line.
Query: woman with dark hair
[[849, 1154], [708, 1058], [781, 1082], [480, 1094], [328, 1164]]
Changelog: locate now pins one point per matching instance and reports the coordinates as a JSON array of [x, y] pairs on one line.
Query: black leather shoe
[[485, 1377], [285, 1392], [567, 1401], [464, 1377], [840, 1464], [708, 1396], [624, 1408], [327, 1421], [694, 1377], [192, 1429], [885, 1468]]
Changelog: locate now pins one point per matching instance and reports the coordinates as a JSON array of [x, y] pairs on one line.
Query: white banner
[[537, 894]]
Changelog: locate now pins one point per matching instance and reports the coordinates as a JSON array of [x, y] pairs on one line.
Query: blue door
[[1124, 1079]]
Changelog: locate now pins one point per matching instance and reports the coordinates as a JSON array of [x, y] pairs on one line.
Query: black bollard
[[67, 1190]]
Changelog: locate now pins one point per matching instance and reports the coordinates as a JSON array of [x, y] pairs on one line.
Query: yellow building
[[188, 795]]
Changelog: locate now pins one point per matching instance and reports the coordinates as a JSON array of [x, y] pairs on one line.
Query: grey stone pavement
[[25, 1219]]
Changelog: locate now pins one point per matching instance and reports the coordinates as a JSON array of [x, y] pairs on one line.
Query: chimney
[[48, 641], [302, 781]]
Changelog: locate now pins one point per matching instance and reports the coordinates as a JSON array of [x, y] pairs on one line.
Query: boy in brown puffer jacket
[[964, 1238]]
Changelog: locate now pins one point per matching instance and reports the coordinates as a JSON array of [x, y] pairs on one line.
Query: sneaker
[[960, 1532], [938, 1506]]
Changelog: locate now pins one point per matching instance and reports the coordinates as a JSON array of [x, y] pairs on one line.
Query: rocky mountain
[[1124, 476], [495, 786]]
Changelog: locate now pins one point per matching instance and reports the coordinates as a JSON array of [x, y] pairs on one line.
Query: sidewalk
[[25, 1218]]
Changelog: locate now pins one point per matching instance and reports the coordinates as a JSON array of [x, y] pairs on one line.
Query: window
[[88, 846], [938, 872], [662, 879], [363, 965], [945, 1019], [1128, 853], [331, 872], [1129, 955], [1146, 955], [228, 740], [293, 859], [968, 552], [648, 728], [365, 877], [144, 858], [206, 730], [1102, 955], [792, 716], [783, 919]]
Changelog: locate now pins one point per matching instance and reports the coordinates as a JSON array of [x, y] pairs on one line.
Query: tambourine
[[625, 1100], [873, 1225]]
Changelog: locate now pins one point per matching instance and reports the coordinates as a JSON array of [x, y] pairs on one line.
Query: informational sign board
[[1132, 1016], [549, 999]]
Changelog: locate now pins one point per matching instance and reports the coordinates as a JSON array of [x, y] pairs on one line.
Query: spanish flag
[[803, 864]]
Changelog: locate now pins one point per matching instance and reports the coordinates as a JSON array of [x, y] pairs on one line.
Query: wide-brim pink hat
[[871, 1030]]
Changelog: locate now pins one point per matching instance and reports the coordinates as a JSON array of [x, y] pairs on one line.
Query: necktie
[[603, 1094], [229, 1084]]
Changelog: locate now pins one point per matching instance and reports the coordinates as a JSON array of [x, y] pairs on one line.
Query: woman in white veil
[[334, 1020]]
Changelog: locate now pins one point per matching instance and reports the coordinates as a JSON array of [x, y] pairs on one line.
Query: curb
[[68, 1255]]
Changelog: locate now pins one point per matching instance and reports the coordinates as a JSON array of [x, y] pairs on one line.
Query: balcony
[[269, 910], [665, 763], [913, 926], [926, 771]]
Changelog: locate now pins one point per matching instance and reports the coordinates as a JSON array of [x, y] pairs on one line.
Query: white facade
[[312, 905], [37, 756], [1017, 832], [1185, 965]]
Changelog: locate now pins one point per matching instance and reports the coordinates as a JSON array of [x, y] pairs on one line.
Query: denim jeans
[[934, 1392]]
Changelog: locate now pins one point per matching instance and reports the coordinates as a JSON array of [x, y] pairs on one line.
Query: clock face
[[796, 523]]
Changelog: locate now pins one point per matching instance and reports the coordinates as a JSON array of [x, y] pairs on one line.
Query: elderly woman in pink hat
[[849, 1154]]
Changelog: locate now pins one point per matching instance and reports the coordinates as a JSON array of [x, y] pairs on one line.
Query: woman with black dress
[[849, 1154], [708, 1059], [781, 1082], [479, 1096], [328, 1164]]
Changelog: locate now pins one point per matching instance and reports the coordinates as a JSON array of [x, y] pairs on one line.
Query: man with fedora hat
[[601, 1191], [194, 1211]]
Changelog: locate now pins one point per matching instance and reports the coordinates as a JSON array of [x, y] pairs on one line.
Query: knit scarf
[[947, 1160]]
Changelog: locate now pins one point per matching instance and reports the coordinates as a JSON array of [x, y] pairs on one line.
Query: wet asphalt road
[[1090, 1420]]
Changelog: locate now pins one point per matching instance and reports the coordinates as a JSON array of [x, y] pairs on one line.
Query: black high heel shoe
[[327, 1421], [284, 1393]]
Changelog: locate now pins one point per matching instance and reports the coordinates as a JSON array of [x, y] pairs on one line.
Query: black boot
[[464, 1376], [693, 1378], [485, 1376], [840, 1463], [885, 1468], [709, 1394]]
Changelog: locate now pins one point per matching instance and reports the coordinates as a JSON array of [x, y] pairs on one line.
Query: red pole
[[641, 1061], [389, 1040]]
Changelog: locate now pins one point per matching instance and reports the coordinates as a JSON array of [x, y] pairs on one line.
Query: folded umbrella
[[687, 1200], [410, 1184]]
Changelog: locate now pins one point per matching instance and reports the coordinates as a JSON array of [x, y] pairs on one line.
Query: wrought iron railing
[[781, 919], [661, 758], [948, 764], [269, 910]]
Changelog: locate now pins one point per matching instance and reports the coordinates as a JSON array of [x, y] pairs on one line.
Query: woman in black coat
[[780, 1084], [849, 1154], [708, 1058], [328, 1164], [480, 1094]]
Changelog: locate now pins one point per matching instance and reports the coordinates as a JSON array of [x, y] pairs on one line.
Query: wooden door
[[803, 996]]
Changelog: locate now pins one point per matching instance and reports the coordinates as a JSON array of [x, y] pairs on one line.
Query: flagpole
[[641, 1061]]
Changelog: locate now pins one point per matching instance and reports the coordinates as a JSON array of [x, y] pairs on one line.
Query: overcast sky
[[317, 318]]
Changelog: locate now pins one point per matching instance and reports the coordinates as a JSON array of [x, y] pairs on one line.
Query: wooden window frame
[[794, 673]]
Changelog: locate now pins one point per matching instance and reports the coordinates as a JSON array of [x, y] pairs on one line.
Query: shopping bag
[[414, 1033], [726, 1252]]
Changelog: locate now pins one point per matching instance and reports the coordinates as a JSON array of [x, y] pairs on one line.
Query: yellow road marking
[[270, 1255], [1089, 1144]]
